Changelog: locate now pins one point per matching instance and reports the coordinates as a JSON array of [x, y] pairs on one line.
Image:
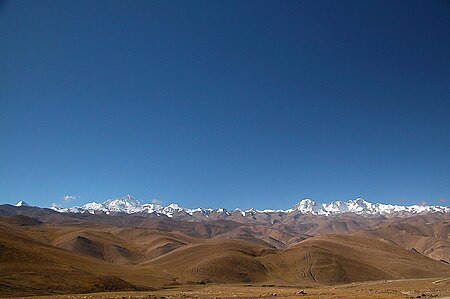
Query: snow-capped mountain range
[[130, 205]]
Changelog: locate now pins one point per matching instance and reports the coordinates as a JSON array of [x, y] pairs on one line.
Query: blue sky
[[225, 103]]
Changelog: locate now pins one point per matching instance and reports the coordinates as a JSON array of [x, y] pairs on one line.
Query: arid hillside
[[45, 252]]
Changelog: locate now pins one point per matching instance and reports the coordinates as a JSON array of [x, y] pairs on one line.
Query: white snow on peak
[[240, 211], [307, 206], [129, 205], [361, 206], [171, 209], [22, 204]]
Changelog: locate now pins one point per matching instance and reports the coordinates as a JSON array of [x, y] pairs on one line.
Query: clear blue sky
[[225, 103]]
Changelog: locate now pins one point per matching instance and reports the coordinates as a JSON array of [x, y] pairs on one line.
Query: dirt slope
[[341, 259], [83, 255]]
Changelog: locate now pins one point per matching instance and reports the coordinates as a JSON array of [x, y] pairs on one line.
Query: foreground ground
[[417, 288]]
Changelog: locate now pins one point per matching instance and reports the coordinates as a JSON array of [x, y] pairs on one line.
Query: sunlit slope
[[31, 267], [341, 259], [219, 261]]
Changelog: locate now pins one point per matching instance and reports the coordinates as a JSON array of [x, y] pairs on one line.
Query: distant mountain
[[359, 206], [22, 204], [98, 252]]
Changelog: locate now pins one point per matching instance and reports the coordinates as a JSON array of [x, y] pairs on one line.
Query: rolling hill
[[47, 252]]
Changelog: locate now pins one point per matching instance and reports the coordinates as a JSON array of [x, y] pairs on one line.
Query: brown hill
[[20, 220], [429, 235], [342, 259], [29, 268], [223, 261], [44, 253]]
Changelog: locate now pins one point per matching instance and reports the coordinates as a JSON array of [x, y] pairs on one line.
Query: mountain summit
[[129, 205]]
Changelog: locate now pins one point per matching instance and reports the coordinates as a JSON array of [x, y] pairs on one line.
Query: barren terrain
[[103, 256]]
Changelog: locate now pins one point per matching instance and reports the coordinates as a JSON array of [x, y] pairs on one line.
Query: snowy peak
[[309, 206], [362, 207], [22, 204], [306, 206], [129, 205]]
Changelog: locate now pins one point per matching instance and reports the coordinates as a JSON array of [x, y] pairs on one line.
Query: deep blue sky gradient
[[225, 103]]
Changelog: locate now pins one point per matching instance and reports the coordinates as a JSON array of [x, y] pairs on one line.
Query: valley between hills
[[277, 254]]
